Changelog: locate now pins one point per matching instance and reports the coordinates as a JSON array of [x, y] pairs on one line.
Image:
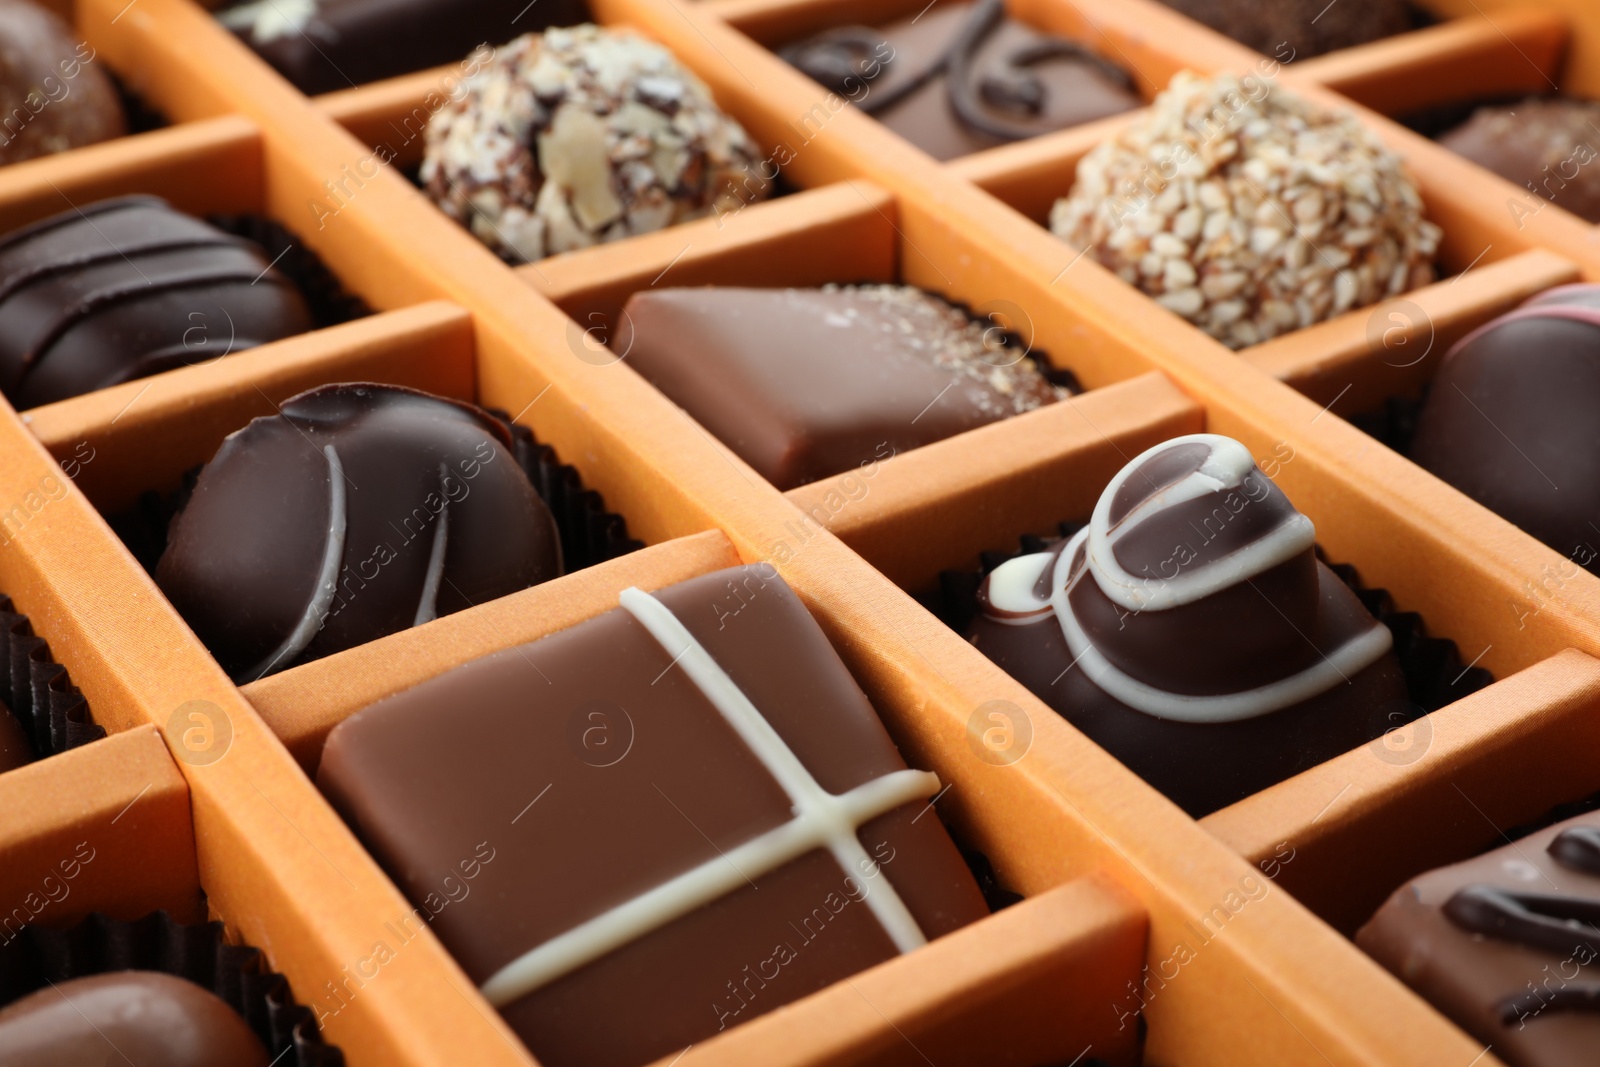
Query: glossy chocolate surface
[[807, 383], [1510, 419], [1543, 146], [357, 511], [325, 45], [137, 1017], [958, 78], [1507, 944], [125, 288], [530, 791], [54, 92], [1207, 616]]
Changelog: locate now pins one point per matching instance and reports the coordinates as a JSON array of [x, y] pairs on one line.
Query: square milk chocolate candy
[[1507, 944], [655, 825]]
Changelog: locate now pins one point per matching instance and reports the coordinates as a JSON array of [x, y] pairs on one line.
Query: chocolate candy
[[806, 383], [324, 45], [576, 137], [1509, 419], [963, 77], [124, 288], [137, 1017], [1507, 944], [1545, 145], [357, 511], [630, 813], [1190, 630], [1296, 29], [1248, 211], [53, 94]]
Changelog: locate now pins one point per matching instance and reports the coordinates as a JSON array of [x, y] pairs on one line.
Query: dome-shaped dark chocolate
[[358, 511], [1190, 630], [1511, 419]]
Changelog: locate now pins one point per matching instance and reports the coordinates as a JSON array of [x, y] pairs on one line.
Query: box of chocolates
[[794, 532]]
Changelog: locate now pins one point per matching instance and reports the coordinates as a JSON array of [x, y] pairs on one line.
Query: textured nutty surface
[[579, 136], [1248, 211]]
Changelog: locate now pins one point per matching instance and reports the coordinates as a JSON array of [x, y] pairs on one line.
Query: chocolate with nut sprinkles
[[807, 383], [964, 77], [134, 1017], [1507, 944], [1191, 631], [357, 511], [125, 288], [557, 790], [1510, 419]]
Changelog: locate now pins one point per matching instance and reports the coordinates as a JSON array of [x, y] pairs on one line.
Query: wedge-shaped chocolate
[[125, 288], [807, 383], [136, 1017], [356, 511], [1191, 631], [1507, 944], [325, 45], [963, 77], [684, 810]]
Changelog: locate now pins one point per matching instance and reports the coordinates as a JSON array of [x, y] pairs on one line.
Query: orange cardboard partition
[[1226, 939]]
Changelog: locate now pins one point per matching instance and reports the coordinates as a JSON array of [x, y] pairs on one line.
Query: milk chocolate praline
[[1542, 145], [1510, 419], [134, 1017], [1298, 29], [356, 511], [53, 94], [1190, 630]]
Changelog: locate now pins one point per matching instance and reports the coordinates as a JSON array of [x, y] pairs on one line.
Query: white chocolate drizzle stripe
[[1229, 464], [428, 606], [1330, 670], [822, 819], [327, 577]]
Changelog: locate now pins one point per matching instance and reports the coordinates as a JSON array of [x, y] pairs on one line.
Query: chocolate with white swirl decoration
[[1190, 630]]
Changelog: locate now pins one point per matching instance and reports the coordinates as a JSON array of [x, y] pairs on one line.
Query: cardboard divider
[[1583, 63], [1023, 474], [1440, 790], [104, 827], [1024, 987], [303, 704], [1520, 51], [1352, 365], [144, 435]]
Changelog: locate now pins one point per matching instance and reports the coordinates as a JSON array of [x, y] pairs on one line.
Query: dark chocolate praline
[[1544, 145], [132, 1017], [1507, 944], [964, 77], [128, 287], [54, 92], [357, 511], [1191, 631], [1299, 29], [1510, 419]]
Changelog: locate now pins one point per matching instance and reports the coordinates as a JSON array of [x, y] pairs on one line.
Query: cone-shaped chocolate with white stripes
[[1191, 630]]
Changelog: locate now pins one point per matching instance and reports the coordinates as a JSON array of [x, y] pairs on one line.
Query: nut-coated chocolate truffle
[[1507, 944], [1191, 631], [357, 511], [1510, 419], [325, 45], [963, 77], [54, 95], [1248, 211], [1297, 29], [124, 288], [685, 805], [138, 1017], [1545, 145], [578, 136], [806, 383]]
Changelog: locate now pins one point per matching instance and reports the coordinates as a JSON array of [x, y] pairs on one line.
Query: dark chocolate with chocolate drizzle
[[1506, 944], [965, 77], [357, 511]]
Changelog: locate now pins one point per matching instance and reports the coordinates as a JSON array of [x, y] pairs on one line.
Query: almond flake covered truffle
[[579, 136], [1248, 211]]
